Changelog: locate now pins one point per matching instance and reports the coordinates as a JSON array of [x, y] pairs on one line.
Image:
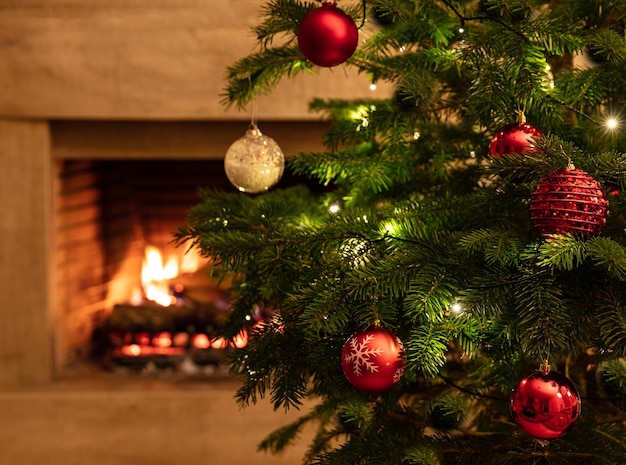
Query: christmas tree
[[448, 279]]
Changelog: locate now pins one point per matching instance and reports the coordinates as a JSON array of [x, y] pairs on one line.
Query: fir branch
[[425, 350], [463, 19], [611, 321], [259, 73], [561, 251], [449, 382], [608, 254], [281, 17]]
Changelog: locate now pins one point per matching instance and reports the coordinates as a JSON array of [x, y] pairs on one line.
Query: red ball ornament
[[514, 138], [545, 404], [569, 200], [372, 360], [327, 36]]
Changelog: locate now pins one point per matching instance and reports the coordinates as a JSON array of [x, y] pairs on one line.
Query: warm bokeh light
[[612, 123], [241, 339], [200, 341], [142, 339], [163, 339], [456, 308], [132, 350], [219, 343]]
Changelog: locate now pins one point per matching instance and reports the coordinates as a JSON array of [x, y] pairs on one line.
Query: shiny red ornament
[[569, 200], [372, 360], [327, 35], [545, 404], [514, 138]]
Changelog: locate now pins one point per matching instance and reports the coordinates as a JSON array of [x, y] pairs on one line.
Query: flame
[[155, 276]]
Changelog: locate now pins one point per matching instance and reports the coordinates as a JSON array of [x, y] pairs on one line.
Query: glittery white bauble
[[255, 162]]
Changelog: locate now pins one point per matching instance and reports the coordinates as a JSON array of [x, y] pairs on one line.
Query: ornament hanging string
[[253, 118], [364, 14]]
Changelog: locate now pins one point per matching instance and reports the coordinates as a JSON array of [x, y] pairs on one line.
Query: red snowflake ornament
[[372, 360]]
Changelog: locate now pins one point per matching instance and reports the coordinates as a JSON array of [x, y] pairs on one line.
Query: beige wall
[[141, 59]]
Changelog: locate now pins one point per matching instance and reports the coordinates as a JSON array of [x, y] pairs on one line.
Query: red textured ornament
[[569, 200], [514, 138], [327, 36], [545, 404], [372, 359]]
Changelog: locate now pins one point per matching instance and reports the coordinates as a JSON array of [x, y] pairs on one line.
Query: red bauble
[[514, 138], [545, 404], [569, 200], [372, 359], [327, 36]]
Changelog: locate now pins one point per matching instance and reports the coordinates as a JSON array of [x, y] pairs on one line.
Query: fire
[[157, 274], [155, 277]]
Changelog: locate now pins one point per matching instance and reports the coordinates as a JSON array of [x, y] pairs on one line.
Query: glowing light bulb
[[390, 228], [372, 86], [611, 123], [456, 308], [334, 208], [461, 30]]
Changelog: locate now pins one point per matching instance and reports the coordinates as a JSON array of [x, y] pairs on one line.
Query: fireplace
[[111, 207], [108, 190], [128, 295]]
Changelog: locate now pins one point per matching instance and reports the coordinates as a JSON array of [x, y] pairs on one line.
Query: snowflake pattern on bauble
[[361, 355]]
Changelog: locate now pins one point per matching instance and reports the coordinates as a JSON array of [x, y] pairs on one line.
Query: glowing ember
[[241, 339], [200, 341], [163, 339], [132, 350], [219, 343]]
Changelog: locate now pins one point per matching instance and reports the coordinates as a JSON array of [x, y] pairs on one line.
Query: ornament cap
[[545, 367], [253, 131]]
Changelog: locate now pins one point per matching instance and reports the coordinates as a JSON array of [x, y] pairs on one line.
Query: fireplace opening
[[121, 189], [129, 296]]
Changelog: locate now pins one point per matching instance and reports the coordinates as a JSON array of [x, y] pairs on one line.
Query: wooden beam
[[26, 345], [159, 140]]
